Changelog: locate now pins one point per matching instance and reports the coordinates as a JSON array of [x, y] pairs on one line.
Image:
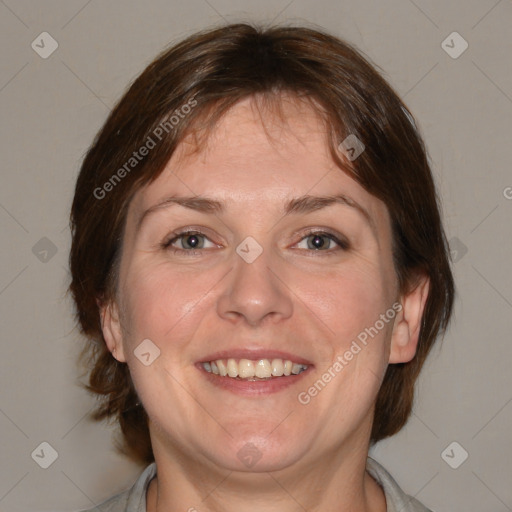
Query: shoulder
[[131, 500], [397, 500], [118, 503]]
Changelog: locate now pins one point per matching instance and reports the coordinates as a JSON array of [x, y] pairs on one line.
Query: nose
[[255, 292]]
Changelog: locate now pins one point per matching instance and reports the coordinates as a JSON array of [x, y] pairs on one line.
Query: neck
[[336, 481]]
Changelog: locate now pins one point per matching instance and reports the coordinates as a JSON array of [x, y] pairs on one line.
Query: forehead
[[257, 134], [257, 156]]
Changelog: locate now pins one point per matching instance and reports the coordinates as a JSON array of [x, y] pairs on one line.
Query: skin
[[310, 302]]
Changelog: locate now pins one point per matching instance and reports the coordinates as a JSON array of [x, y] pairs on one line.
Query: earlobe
[[406, 329], [111, 328]]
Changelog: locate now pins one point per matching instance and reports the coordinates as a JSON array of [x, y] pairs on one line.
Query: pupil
[[317, 241], [193, 241]]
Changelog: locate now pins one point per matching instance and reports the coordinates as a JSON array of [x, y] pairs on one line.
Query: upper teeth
[[245, 368]]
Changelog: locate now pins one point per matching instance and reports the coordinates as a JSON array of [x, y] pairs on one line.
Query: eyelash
[[342, 243]]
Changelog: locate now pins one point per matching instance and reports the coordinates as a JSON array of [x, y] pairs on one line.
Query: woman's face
[[268, 276]]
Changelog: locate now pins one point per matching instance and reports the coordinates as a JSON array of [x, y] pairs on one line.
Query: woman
[[259, 264]]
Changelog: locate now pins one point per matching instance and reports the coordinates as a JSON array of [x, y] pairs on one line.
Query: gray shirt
[[134, 499]]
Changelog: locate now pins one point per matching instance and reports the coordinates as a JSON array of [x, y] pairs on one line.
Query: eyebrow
[[298, 205]]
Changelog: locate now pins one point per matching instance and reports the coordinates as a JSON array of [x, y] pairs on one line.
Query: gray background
[[51, 109]]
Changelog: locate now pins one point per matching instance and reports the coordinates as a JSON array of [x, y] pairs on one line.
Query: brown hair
[[210, 72]]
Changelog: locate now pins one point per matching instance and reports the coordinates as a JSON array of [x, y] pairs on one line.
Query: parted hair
[[194, 83]]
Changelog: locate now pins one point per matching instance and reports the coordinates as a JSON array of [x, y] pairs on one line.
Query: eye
[[322, 241], [188, 241]]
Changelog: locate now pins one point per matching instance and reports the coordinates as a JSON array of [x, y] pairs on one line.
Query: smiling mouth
[[254, 370]]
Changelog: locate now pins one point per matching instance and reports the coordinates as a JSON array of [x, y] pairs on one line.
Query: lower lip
[[253, 387]]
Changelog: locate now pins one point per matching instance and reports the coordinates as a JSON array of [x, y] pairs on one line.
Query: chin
[[257, 453]]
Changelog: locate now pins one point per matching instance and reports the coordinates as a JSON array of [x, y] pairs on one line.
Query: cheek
[[161, 304], [349, 300]]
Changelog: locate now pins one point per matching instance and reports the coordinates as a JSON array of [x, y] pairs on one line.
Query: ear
[[111, 327], [406, 329]]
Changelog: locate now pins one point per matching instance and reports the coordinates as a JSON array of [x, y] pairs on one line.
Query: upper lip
[[254, 355]]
